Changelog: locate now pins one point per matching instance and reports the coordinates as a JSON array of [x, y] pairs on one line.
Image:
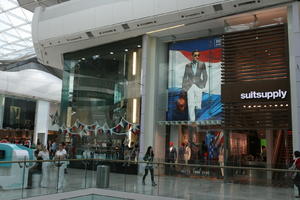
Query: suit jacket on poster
[[189, 78]]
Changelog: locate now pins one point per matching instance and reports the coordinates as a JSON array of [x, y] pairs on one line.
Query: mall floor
[[168, 186]]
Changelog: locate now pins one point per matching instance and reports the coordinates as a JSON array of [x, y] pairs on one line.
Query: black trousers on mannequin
[[146, 173]]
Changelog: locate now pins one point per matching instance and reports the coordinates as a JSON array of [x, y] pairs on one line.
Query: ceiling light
[[139, 46], [126, 50], [134, 63], [164, 29], [134, 110], [82, 58], [96, 56], [111, 53]]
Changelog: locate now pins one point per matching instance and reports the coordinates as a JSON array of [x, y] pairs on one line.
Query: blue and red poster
[[194, 86]]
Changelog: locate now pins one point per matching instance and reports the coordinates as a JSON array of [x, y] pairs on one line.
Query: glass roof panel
[[3, 26], [15, 29], [7, 4]]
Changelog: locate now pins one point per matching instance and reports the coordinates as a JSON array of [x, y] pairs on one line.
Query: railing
[[176, 180]]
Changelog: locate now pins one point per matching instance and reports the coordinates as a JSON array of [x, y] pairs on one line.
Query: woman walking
[[149, 156], [61, 154], [44, 154]]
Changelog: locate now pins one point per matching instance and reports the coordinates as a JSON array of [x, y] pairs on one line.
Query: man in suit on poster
[[194, 81]]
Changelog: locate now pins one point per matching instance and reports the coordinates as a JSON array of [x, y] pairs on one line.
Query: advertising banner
[[194, 92]]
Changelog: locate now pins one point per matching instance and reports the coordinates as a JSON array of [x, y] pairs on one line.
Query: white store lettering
[[264, 95]]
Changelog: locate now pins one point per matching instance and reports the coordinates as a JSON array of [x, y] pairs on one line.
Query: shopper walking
[[149, 156], [44, 154], [35, 169], [61, 154], [295, 175]]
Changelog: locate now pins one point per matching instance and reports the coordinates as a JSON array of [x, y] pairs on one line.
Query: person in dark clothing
[[149, 156], [35, 169], [296, 176]]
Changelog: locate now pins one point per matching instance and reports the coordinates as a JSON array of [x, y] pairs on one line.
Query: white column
[[294, 53], [41, 121], [2, 101], [148, 95]]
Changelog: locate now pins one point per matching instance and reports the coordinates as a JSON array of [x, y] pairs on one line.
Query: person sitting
[[35, 169]]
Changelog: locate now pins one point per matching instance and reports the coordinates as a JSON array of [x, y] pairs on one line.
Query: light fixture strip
[[134, 64], [134, 110], [164, 29]]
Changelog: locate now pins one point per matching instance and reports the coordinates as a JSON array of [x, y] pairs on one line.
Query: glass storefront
[[101, 93], [19, 113], [18, 119]]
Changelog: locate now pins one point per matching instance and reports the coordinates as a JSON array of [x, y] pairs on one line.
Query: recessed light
[[82, 58], [139, 46], [96, 56], [111, 53], [126, 50]]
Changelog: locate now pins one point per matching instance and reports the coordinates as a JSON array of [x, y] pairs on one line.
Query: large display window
[[101, 99]]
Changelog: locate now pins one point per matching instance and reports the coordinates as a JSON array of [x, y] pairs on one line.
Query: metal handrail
[[154, 163]]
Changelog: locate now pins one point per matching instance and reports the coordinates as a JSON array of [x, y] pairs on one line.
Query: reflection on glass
[[103, 90]]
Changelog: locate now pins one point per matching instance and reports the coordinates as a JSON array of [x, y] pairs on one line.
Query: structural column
[[2, 102], [269, 137], [153, 93], [41, 122], [227, 171], [147, 94], [294, 53]]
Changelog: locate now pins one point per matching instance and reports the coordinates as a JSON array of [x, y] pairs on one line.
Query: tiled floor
[[179, 187]]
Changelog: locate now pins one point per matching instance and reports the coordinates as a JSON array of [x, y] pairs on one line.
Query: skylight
[[15, 31]]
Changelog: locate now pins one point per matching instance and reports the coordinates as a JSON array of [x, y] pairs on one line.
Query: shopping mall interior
[[149, 99]]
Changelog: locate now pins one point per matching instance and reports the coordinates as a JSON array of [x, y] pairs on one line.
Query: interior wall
[[41, 121]]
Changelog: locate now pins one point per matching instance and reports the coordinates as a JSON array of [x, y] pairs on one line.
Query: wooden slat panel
[[255, 55]]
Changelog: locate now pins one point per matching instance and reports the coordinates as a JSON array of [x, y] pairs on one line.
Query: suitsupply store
[[231, 92], [209, 92]]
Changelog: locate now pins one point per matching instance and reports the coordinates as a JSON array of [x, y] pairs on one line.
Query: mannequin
[[172, 156], [221, 159], [172, 153], [187, 156]]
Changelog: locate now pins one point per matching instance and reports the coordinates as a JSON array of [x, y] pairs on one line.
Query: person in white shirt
[[61, 154], [44, 154]]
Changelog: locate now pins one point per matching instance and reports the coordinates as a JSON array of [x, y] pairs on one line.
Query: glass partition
[[101, 100]]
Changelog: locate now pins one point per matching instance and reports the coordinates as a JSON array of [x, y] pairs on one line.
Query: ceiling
[[32, 4], [15, 32]]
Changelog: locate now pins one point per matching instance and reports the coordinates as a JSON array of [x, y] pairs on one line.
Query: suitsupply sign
[[281, 94]]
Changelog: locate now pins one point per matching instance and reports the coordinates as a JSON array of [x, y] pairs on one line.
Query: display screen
[[2, 154], [194, 92]]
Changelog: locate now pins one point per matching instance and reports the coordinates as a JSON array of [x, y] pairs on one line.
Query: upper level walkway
[[167, 186]]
